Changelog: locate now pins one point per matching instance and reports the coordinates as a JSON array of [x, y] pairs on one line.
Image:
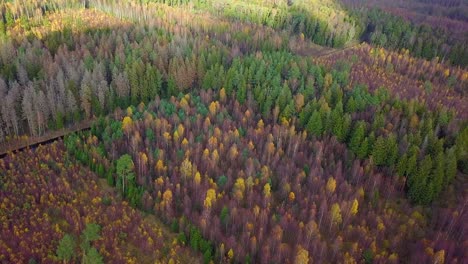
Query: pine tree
[[379, 152], [363, 149], [419, 189], [392, 150], [357, 137], [402, 164], [314, 126], [438, 175], [450, 166]]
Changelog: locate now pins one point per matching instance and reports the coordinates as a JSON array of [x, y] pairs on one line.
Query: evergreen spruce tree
[[314, 126]]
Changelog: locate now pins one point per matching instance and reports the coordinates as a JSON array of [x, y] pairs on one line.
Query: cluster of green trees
[[393, 32], [119, 174], [67, 247], [286, 87]]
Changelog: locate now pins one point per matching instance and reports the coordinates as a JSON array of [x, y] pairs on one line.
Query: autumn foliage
[[44, 196], [285, 197]]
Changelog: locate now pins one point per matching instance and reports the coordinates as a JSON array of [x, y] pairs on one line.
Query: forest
[[217, 131]]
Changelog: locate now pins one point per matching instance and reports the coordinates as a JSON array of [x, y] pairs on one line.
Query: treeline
[[310, 18], [393, 32]]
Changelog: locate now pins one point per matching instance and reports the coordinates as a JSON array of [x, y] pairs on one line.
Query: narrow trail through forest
[[31, 142]]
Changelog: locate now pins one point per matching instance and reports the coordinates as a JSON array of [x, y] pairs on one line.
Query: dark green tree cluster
[[393, 32]]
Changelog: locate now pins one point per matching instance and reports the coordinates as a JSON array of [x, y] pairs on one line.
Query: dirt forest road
[[20, 144]]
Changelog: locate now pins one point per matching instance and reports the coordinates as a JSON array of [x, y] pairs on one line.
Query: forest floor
[[317, 51]]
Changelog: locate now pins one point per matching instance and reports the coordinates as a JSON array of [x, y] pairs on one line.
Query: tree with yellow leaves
[[197, 178], [439, 257], [299, 101], [331, 185], [233, 152], [222, 95], [292, 196], [239, 188], [160, 166], [213, 108], [230, 254], [167, 196], [210, 198], [215, 156], [127, 124], [302, 256], [180, 130], [354, 207], [186, 169], [267, 190], [335, 215]]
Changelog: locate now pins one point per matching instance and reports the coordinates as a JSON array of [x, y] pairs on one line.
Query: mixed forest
[[217, 131]]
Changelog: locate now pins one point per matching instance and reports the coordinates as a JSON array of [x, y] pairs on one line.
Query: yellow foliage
[[394, 257], [180, 129], [167, 195], [354, 207], [233, 151], [222, 95], [335, 214], [260, 124], [331, 185], [144, 158], [159, 165], [251, 145], [231, 254], [291, 196], [212, 108], [210, 198], [380, 226], [361, 192], [215, 155], [299, 100], [302, 256], [206, 153], [439, 257], [126, 123], [217, 132], [267, 190], [197, 178], [447, 72], [186, 168], [167, 136], [160, 181], [183, 103]]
